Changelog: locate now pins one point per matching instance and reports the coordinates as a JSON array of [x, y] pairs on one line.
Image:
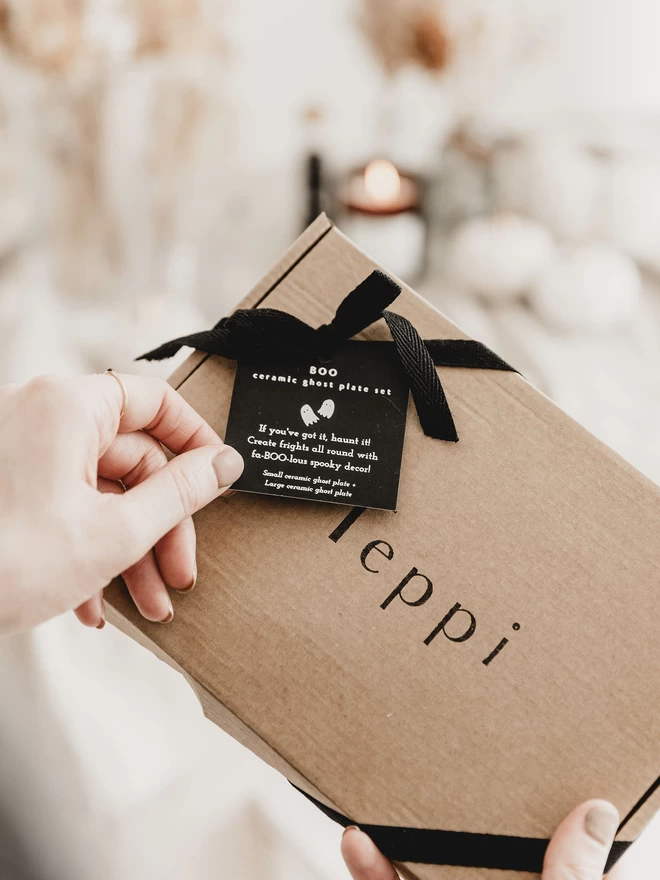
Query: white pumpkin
[[499, 256], [554, 179], [592, 286], [563, 187]]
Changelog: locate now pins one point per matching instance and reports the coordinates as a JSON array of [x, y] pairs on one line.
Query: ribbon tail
[[211, 341], [465, 353], [430, 400], [164, 351], [364, 304]]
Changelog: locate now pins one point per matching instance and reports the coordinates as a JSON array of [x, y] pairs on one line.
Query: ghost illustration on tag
[[308, 415], [327, 409]]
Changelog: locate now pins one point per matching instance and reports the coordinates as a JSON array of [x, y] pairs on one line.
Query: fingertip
[[598, 802], [191, 585], [148, 590], [92, 613], [228, 466], [176, 557], [584, 838], [169, 616], [363, 858], [356, 847], [591, 816], [601, 821]]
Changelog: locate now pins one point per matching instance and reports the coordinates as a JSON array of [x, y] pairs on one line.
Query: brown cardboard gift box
[[547, 536]]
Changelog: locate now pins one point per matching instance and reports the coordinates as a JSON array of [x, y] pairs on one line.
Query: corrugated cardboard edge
[[213, 709]]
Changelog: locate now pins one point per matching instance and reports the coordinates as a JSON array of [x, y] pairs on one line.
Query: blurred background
[[156, 158]]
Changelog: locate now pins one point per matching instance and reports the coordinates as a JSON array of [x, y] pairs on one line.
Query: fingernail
[[601, 824], [170, 615], [101, 624], [228, 466], [350, 828], [192, 585]]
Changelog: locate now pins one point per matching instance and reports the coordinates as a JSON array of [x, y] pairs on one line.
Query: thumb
[[135, 521], [580, 846]]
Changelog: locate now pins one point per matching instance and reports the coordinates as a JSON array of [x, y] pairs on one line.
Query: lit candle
[[383, 217]]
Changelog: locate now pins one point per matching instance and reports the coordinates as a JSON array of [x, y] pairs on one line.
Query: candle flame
[[382, 182]]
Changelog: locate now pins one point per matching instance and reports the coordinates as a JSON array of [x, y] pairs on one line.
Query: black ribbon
[[272, 336], [458, 848]]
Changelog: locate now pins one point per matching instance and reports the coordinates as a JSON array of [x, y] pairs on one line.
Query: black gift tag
[[330, 431]]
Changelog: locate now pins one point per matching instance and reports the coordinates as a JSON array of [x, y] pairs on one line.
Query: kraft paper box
[[546, 535]]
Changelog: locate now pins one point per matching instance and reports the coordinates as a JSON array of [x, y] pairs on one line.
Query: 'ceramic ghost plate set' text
[[327, 381]]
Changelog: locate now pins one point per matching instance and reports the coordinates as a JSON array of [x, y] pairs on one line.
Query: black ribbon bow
[[269, 335]]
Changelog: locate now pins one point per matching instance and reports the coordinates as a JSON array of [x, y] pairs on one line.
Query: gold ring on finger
[[124, 392]]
